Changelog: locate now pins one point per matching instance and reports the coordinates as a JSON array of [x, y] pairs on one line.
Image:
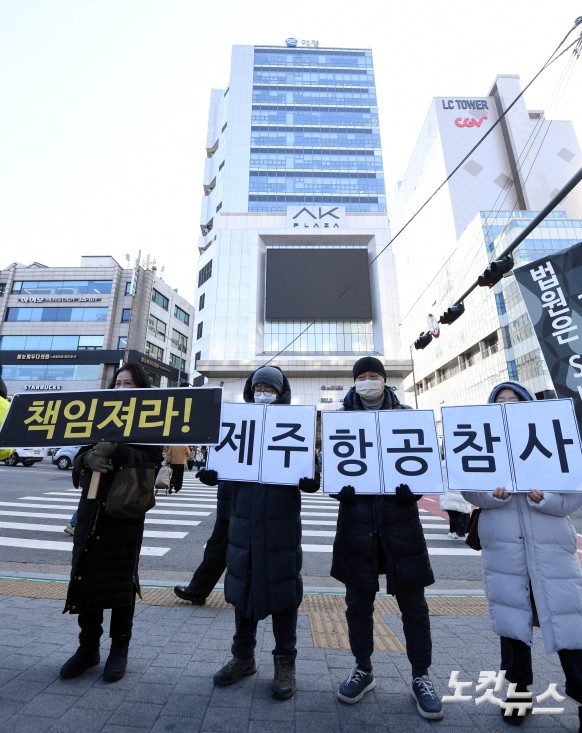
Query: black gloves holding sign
[[99, 457], [404, 495], [208, 476], [309, 485]]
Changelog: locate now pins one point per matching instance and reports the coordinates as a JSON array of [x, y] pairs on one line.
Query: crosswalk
[[34, 522]]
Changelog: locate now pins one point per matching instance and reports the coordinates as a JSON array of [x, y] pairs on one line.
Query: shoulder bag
[[131, 493], [472, 538]]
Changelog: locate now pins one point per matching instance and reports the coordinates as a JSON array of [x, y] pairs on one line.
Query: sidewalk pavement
[[176, 648]]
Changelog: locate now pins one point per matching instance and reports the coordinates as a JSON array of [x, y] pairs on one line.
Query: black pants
[[458, 522], [213, 562], [177, 476], [91, 624], [284, 631], [415, 622], [516, 661]]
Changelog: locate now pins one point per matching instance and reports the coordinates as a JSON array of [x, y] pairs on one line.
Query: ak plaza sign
[[316, 217]]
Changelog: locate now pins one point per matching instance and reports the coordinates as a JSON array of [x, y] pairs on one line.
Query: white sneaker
[[453, 535], [69, 530]]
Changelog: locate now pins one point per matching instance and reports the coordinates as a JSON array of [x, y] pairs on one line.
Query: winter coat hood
[[283, 399], [519, 389]]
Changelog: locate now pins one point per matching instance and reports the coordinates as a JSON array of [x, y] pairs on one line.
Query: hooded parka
[[264, 557], [531, 546], [375, 534]]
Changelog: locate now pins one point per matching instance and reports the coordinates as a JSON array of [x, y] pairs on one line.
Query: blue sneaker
[[428, 702], [353, 689]]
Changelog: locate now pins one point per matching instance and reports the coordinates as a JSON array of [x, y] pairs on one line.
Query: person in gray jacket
[[531, 575]]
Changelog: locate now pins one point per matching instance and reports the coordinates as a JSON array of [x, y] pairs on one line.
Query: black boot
[[184, 592], [284, 682], [514, 718], [85, 657], [116, 663]]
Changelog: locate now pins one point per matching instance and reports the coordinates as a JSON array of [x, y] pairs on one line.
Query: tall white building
[[497, 191], [294, 210]]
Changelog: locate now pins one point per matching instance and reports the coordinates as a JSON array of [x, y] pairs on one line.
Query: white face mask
[[370, 389], [264, 398]]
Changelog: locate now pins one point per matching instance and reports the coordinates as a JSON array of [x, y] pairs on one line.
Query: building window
[[512, 370], [197, 357], [128, 287], [219, 207], [224, 126], [198, 382], [160, 299], [155, 379], [221, 166], [62, 287], [51, 343], [179, 341], [199, 331], [156, 327], [205, 273], [49, 315], [122, 342], [154, 351], [201, 302], [177, 363], [181, 315], [125, 315], [2, 289]]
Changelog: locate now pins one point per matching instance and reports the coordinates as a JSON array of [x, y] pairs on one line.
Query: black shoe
[[183, 592], [82, 660], [116, 663], [284, 682], [233, 671]]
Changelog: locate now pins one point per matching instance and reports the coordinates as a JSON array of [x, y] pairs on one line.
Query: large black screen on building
[[302, 283]]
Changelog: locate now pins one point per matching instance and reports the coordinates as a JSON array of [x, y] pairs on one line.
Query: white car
[[26, 456], [64, 457]]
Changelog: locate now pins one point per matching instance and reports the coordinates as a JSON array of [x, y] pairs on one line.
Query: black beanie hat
[[368, 364]]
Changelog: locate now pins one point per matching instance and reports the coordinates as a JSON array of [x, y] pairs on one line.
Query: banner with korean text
[[376, 451], [189, 416], [272, 444], [551, 288], [517, 445]]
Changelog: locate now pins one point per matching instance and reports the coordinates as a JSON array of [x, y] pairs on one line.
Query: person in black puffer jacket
[[104, 571], [264, 557], [379, 534]]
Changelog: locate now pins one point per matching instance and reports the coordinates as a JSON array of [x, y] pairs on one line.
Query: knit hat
[[269, 375], [522, 392], [368, 364]]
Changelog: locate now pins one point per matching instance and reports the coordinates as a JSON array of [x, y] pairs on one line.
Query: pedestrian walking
[[532, 576], [176, 457], [379, 534]]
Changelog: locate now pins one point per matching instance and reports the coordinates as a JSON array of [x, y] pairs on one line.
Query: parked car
[[64, 457], [26, 456]]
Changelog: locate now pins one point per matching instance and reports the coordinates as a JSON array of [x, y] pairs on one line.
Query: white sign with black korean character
[[410, 451], [288, 444], [545, 445], [476, 449], [237, 457], [350, 452]]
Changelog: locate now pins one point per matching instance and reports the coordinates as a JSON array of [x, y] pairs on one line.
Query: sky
[[105, 103]]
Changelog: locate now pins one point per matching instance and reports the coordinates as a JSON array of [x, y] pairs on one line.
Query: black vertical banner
[[551, 288]]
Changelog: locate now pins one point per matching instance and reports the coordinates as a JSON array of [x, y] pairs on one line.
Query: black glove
[[404, 495], [346, 495], [98, 458], [309, 485], [208, 477]]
